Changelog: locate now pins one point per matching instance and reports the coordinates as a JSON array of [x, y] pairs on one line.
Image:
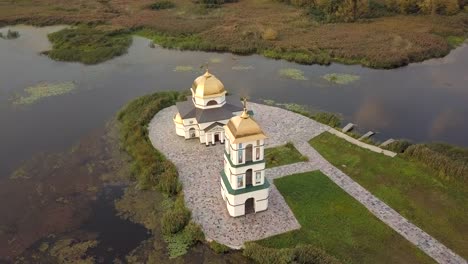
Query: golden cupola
[[207, 85], [178, 119], [244, 128]]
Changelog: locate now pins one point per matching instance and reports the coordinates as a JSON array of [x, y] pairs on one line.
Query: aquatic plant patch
[[291, 73], [184, 68], [242, 67], [340, 78], [11, 34], [215, 60], [43, 90]]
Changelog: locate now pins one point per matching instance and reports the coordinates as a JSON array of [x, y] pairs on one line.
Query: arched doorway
[[250, 206], [192, 133], [248, 153], [248, 178], [212, 102]]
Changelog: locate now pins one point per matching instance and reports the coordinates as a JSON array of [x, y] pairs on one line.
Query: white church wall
[[236, 203]]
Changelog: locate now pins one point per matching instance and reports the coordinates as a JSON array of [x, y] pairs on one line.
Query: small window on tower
[[258, 142], [240, 181], [258, 177], [257, 153], [240, 153]]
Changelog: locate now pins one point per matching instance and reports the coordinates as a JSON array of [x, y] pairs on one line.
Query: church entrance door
[[250, 206], [216, 136]]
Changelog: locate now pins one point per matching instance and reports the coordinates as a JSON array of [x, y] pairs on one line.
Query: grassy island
[[436, 204], [375, 33], [87, 45], [332, 220]]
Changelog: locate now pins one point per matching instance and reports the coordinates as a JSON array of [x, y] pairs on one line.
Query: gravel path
[[199, 168]]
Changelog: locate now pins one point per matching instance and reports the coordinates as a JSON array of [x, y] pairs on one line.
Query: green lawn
[[283, 155], [438, 206], [334, 221]]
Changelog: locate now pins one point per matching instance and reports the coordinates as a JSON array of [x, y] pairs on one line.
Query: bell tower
[[243, 184]]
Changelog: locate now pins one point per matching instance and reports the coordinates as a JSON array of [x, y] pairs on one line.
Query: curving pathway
[[199, 168]]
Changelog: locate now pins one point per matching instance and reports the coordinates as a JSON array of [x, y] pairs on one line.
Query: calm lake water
[[422, 102]]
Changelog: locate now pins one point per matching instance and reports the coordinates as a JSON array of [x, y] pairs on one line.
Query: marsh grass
[[43, 90], [87, 45], [160, 5], [341, 78], [293, 74]]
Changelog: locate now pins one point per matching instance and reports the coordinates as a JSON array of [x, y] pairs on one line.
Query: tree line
[[352, 10]]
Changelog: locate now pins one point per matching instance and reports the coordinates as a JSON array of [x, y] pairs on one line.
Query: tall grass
[[151, 170], [449, 161]]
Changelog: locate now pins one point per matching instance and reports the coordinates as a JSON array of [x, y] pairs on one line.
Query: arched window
[[212, 102]]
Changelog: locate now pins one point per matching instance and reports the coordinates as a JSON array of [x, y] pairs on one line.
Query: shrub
[[265, 255], [302, 254], [176, 219], [270, 34], [194, 233], [168, 180], [159, 5], [218, 247], [398, 146], [305, 254]]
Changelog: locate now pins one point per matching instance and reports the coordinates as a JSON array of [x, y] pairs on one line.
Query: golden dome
[[178, 119], [243, 129], [208, 85]]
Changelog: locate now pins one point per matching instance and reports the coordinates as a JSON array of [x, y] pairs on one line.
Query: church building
[[206, 112], [243, 184]]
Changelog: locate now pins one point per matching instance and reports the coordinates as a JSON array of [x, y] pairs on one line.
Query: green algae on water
[[183, 68], [340, 78], [242, 68], [215, 60], [291, 73], [43, 90]]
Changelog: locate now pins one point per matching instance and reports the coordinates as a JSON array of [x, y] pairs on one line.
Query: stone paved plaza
[[199, 168]]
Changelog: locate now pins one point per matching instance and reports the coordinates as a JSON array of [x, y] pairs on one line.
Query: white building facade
[[205, 113], [244, 187]]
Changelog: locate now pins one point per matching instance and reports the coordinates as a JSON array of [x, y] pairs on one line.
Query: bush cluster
[[213, 3], [176, 219], [300, 254], [352, 10], [451, 162], [218, 247], [164, 4]]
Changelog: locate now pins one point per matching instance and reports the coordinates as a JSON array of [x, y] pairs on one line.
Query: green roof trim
[[248, 163], [252, 188]]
